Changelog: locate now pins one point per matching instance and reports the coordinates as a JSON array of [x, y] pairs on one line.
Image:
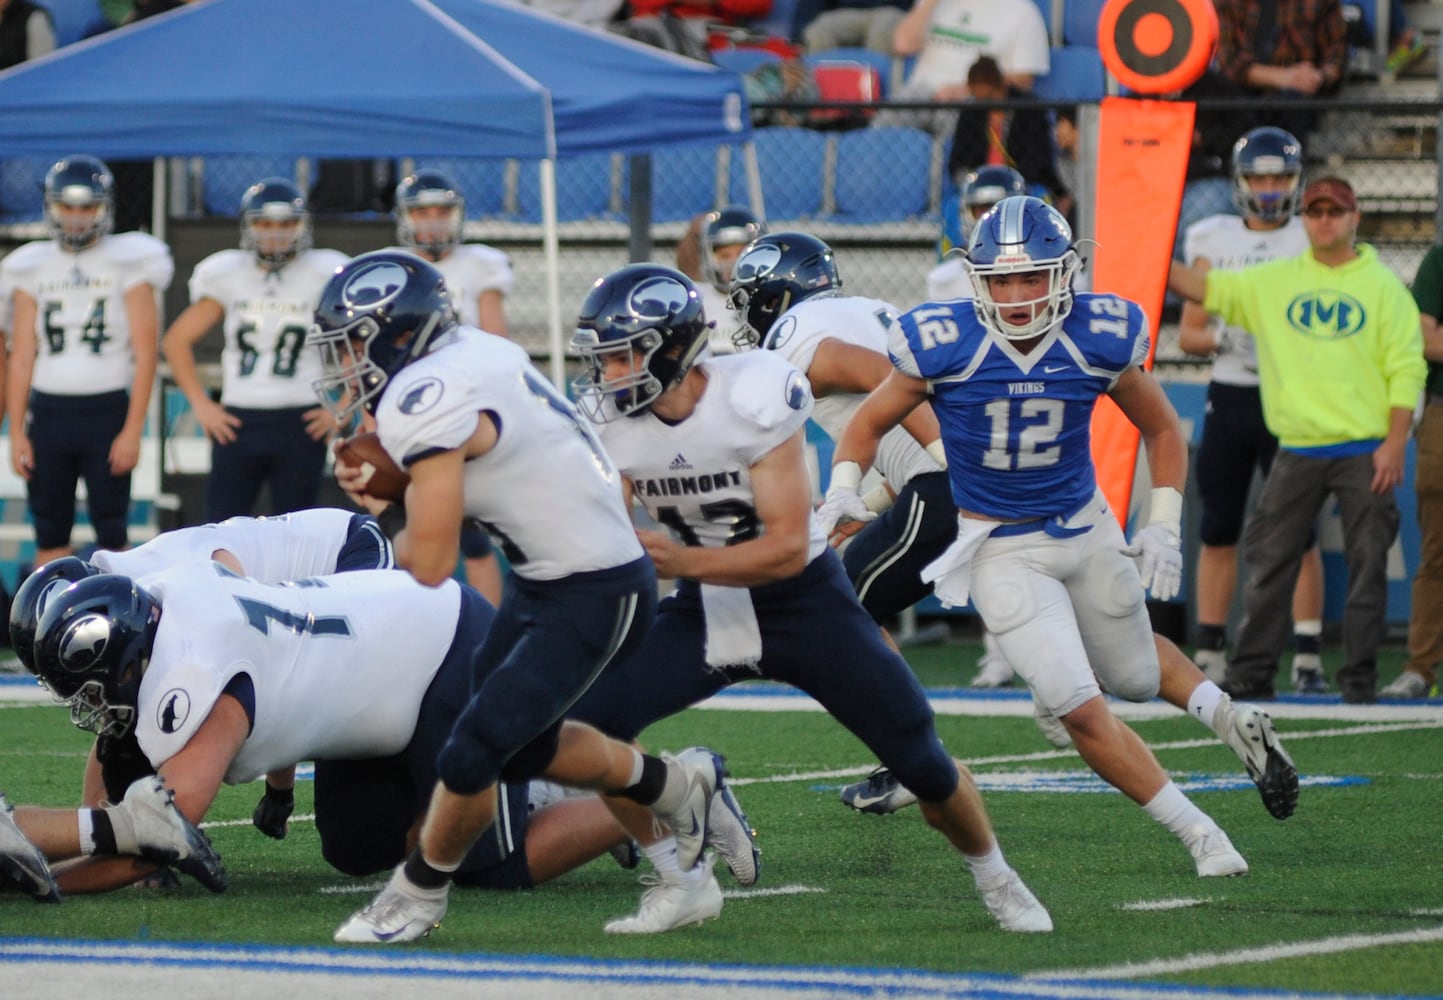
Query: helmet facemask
[[1048, 309], [629, 393], [351, 382], [77, 218], [276, 233], [1022, 235]]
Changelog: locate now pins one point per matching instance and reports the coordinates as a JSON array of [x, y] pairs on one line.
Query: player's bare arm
[[17, 381], [178, 346], [1142, 400]]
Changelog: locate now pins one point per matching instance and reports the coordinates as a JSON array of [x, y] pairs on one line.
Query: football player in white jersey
[[83, 356], [1013, 376], [712, 448], [980, 190], [266, 430], [270, 686], [787, 287], [1267, 177], [430, 213], [483, 434], [707, 254]]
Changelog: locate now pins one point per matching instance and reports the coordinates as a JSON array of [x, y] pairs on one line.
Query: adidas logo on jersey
[[679, 462]]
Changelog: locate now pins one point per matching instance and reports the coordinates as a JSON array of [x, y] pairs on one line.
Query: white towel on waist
[[733, 637], [952, 570]]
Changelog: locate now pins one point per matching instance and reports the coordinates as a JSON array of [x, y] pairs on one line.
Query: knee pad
[[1009, 600]]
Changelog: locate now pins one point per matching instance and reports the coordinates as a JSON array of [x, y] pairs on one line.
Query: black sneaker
[[1249, 690]]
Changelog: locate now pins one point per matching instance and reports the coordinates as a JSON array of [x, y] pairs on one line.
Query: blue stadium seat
[[226, 178], [22, 188], [792, 162], [744, 60], [74, 19], [1051, 16], [780, 21], [481, 182], [883, 174], [1077, 74], [584, 188], [1079, 22], [683, 181]]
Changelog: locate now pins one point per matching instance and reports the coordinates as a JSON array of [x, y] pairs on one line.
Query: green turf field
[[1345, 897]]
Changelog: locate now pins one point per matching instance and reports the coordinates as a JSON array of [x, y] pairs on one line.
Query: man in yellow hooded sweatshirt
[[1340, 356]]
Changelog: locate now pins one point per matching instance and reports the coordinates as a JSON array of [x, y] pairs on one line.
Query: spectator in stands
[[1425, 621], [83, 356], [1340, 356], [267, 430], [1017, 137], [1287, 49], [1267, 180], [947, 36], [26, 32], [1064, 140], [838, 24], [684, 27]]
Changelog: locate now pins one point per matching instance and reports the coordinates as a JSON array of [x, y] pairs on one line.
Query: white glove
[[842, 502], [1159, 546]]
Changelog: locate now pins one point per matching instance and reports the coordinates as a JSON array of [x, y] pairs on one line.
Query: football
[[381, 477]]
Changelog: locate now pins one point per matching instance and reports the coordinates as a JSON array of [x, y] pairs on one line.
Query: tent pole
[[158, 198], [754, 179], [552, 248]]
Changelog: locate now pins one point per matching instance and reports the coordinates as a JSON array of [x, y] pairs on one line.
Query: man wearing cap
[[1340, 356]]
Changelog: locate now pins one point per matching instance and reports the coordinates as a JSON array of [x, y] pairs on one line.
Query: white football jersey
[[270, 549], [695, 477], [725, 322], [82, 328], [1227, 242], [264, 363], [469, 270], [547, 492], [948, 280], [339, 665], [864, 322]]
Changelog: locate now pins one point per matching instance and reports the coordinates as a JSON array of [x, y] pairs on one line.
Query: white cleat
[[400, 912], [689, 822], [728, 831], [1016, 909], [668, 905], [1051, 726], [1213, 663], [21, 863], [1248, 730], [164, 836], [1408, 686], [993, 669], [1214, 853]]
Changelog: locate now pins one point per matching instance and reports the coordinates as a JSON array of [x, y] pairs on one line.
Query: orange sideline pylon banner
[[1143, 148]]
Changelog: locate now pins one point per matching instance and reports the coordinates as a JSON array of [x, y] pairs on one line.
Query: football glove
[[272, 811], [1158, 547]]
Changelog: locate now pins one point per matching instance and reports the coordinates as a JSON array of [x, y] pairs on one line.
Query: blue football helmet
[[1023, 234], [648, 315], [774, 273], [732, 226], [1268, 151], [79, 182], [427, 189], [32, 596], [92, 647], [981, 189], [274, 222], [378, 313]]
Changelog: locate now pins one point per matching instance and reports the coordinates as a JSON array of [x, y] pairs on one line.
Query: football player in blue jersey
[[1013, 376], [712, 447]]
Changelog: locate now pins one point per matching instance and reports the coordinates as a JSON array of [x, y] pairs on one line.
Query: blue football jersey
[[1017, 427]]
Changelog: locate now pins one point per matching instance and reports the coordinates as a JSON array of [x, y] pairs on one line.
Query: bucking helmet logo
[[83, 642], [658, 298], [374, 285], [763, 260]]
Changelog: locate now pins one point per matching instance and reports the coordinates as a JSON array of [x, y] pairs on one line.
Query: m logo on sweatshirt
[[1327, 315]]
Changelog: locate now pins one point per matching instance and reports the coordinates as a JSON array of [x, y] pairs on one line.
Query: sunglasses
[[1335, 212]]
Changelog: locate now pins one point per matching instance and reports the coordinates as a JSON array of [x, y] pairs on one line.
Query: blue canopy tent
[[333, 78]]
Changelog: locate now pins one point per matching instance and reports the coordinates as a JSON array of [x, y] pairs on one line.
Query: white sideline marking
[[1164, 904], [1247, 956], [781, 890]]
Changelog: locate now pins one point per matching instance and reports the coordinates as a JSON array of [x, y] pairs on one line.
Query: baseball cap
[[1333, 189]]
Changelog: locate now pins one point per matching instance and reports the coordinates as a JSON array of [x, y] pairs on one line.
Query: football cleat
[[400, 912], [1407, 685], [1052, 727], [21, 863], [164, 836], [728, 831], [1016, 909], [1249, 731], [1214, 853], [879, 792], [669, 904], [689, 820]]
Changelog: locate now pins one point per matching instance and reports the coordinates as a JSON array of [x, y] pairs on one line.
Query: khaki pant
[[1425, 625]]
